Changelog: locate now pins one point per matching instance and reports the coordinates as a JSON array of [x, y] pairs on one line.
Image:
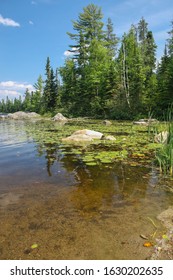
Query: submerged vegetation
[[133, 145]]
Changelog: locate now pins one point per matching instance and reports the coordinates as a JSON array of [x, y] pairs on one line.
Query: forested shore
[[104, 76]]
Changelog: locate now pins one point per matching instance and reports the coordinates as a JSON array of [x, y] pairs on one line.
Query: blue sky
[[32, 30]]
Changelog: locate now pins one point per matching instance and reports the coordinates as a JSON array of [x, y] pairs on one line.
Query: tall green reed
[[164, 155]]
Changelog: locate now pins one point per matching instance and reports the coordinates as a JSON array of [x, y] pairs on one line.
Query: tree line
[[105, 76]]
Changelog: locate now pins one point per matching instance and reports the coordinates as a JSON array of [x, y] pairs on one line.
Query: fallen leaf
[[147, 244], [34, 246], [143, 236]]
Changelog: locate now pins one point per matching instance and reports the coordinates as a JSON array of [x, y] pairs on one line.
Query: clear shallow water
[[72, 211]]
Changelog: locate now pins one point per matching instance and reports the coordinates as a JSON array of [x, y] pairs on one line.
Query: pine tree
[[47, 87], [111, 38], [165, 76], [69, 88], [27, 101], [132, 76], [92, 56], [148, 54], [38, 95], [50, 89]]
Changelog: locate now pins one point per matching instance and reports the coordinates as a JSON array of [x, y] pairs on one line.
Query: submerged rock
[[162, 137], [59, 117], [145, 121], [3, 116], [106, 122], [109, 137], [84, 135]]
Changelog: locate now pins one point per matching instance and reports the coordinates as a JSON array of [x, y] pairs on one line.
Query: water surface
[[50, 197]]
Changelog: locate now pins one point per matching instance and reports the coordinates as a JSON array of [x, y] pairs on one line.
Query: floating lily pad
[[91, 163], [106, 160]]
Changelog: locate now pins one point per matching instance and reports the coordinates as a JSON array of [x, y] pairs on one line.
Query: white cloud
[[8, 22], [68, 53], [8, 93], [13, 89], [31, 22], [15, 85], [72, 52]]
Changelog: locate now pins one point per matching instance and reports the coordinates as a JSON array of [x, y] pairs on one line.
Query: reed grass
[[164, 155]]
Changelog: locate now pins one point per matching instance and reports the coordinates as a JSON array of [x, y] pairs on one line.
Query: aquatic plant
[[164, 155]]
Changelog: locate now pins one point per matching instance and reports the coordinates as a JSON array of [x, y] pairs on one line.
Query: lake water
[[50, 197]]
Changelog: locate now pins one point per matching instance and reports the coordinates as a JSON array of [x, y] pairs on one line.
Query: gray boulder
[[59, 117], [84, 135], [145, 122], [23, 115], [106, 122]]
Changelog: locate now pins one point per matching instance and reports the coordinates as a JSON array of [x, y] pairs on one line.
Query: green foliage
[[164, 155], [50, 92]]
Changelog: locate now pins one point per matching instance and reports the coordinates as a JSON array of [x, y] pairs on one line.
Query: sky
[[32, 30]]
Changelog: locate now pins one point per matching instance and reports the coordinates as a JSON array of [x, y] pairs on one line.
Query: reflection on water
[[71, 210]]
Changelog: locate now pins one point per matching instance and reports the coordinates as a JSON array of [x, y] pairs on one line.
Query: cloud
[[13, 89], [8, 22], [31, 22], [73, 51], [9, 93], [16, 85], [68, 53]]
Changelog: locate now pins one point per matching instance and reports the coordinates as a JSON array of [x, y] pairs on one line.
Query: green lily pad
[[91, 163]]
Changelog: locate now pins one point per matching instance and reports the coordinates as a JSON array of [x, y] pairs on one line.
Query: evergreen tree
[[27, 101], [47, 87], [50, 89], [69, 88], [165, 76], [148, 54], [111, 38], [91, 60], [89, 23], [131, 73], [38, 95]]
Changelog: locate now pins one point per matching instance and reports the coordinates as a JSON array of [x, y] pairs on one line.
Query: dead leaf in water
[[143, 236], [147, 244]]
